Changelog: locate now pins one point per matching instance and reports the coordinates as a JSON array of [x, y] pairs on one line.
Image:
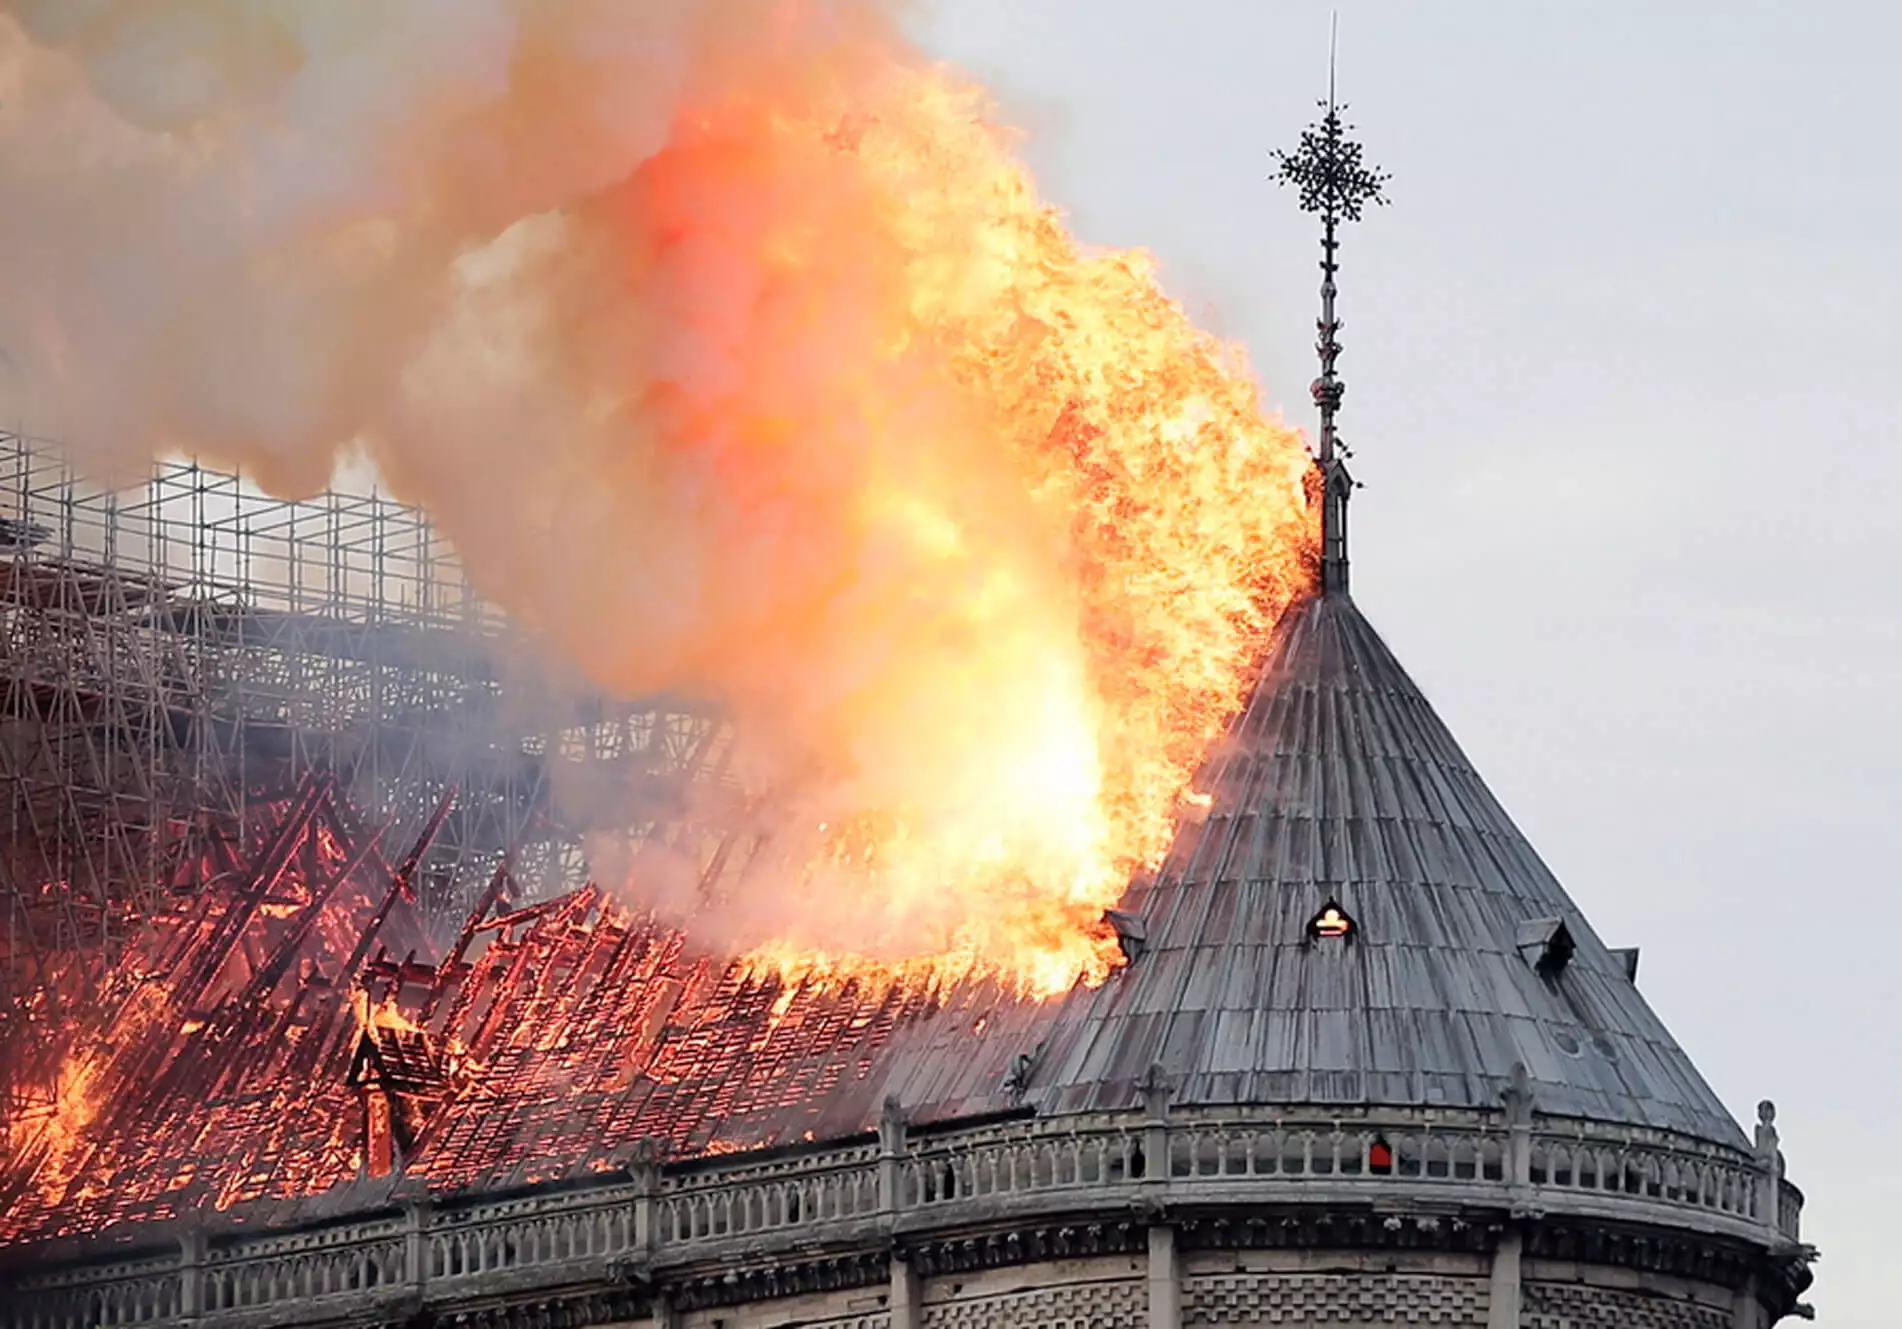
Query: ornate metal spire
[[1333, 181]]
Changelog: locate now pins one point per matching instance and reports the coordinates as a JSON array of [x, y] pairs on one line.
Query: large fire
[[799, 399]]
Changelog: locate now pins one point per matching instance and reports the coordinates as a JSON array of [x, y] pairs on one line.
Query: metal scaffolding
[[177, 657]]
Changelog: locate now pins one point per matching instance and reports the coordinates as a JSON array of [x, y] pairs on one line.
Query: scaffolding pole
[[179, 656]]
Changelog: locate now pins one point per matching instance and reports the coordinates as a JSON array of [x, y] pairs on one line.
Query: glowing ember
[[792, 395]]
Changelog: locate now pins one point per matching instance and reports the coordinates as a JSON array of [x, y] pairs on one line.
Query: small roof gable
[[401, 1061]]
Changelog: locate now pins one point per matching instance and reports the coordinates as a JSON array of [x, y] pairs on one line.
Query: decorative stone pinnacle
[[1766, 1134], [1156, 1091], [1517, 1095], [892, 1124]]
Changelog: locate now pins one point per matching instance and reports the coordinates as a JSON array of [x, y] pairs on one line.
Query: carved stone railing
[[1468, 1157], [1790, 1212], [335, 1264], [653, 1220], [137, 1291], [526, 1240], [785, 1195], [1651, 1167]]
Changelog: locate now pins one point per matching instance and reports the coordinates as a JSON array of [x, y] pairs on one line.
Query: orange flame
[[384, 1013], [989, 535], [53, 1142], [733, 349]]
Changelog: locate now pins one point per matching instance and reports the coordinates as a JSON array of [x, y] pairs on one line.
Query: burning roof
[[290, 1029]]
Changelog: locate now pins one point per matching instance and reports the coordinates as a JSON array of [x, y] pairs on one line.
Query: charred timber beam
[[239, 913], [493, 895], [399, 887], [291, 944]]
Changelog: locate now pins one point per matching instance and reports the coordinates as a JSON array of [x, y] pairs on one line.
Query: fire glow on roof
[[292, 1029]]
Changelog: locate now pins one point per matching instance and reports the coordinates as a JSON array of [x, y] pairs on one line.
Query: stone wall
[[770, 1316], [1335, 1301], [1579, 1294], [862, 1308], [1581, 1306], [1335, 1290], [1106, 1293], [1296, 1289]]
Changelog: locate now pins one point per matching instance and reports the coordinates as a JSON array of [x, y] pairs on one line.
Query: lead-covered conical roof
[[1339, 784]]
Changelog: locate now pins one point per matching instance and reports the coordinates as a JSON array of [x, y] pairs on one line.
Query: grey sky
[[1620, 364]]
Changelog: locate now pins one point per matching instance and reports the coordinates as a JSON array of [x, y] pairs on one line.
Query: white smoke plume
[[236, 223], [732, 350]]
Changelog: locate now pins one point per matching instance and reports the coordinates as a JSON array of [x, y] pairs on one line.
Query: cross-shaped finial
[[1328, 170], [1334, 181]]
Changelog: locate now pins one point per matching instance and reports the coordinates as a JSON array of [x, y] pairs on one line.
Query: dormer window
[[1546, 944], [1132, 934], [1332, 923]]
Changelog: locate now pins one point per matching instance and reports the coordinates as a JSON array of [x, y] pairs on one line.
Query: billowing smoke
[[734, 351]]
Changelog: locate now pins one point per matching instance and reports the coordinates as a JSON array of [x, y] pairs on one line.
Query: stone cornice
[[1024, 1244], [1334, 1228], [765, 1282]]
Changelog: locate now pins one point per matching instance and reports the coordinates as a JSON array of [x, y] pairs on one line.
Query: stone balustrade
[[307, 1266], [125, 1292], [529, 1237], [798, 1192], [653, 1219]]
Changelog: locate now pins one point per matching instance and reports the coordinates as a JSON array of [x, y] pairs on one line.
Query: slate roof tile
[[1350, 786]]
